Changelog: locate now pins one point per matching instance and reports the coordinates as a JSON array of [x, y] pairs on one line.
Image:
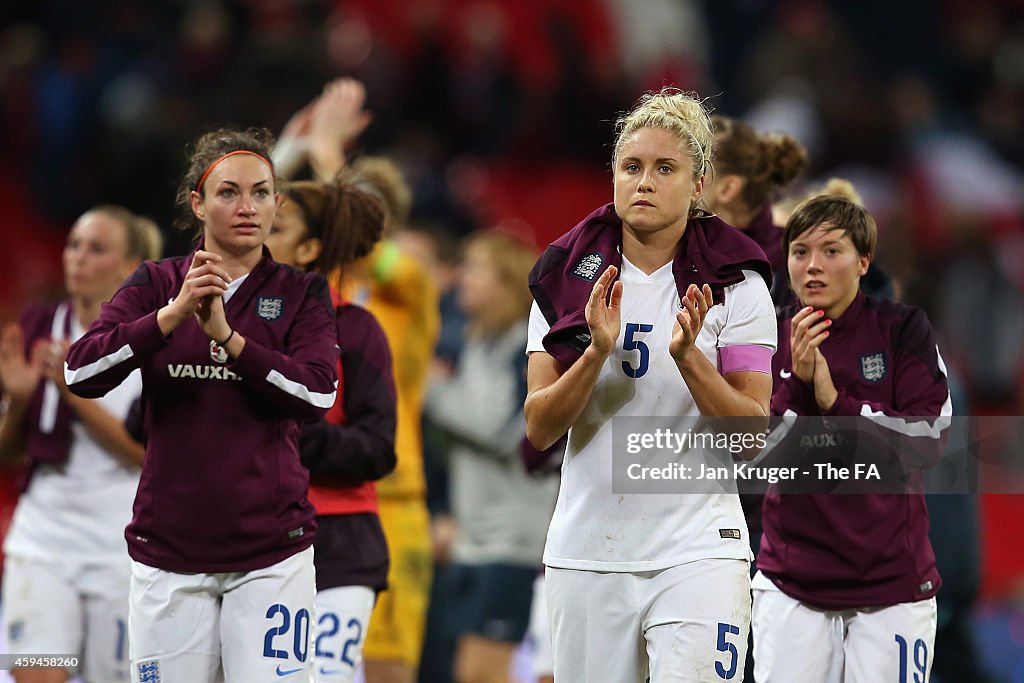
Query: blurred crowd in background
[[499, 113]]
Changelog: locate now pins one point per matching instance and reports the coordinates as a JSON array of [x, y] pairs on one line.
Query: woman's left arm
[[302, 381], [740, 385], [734, 394], [915, 423], [108, 431]]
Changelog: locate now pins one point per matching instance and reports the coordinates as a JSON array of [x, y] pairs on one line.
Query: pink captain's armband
[[745, 358]]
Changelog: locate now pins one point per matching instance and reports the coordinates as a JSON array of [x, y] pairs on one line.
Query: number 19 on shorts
[[919, 661]]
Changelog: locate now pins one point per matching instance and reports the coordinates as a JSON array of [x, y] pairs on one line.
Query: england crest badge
[[149, 671], [269, 307], [588, 267], [872, 366]]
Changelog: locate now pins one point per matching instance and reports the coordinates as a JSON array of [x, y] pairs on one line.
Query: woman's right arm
[[18, 380], [126, 333], [363, 447], [137, 323], [12, 438], [556, 396]]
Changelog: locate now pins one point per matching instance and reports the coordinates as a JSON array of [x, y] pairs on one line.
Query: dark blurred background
[[500, 111]]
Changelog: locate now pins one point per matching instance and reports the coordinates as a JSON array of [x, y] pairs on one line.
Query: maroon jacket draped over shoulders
[[710, 252]]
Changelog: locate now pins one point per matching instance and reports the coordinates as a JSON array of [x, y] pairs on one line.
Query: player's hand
[[18, 377], [211, 318], [603, 312], [808, 330], [825, 393], [205, 281], [338, 116], [338, 119], [49, 357], [690, 320]]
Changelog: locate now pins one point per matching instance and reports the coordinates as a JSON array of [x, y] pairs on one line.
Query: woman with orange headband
[[236, 351]]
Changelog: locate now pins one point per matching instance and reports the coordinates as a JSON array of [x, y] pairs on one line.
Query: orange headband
[[202, 179]]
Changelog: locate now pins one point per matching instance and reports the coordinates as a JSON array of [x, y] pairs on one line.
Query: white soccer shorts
[[69, 608], [687, 623], [796, 643], [242, 626], [342, 616]]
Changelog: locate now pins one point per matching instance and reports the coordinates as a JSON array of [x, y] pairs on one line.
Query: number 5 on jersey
[[631, 344]]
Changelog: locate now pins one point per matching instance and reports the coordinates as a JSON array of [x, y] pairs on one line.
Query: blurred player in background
[[322, 227], [66, 572], [502, 513], [402, 296], [750, 169]]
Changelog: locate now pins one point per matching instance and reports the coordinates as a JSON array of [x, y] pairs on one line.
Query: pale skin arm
[[338, 118], [320, 132], [825, 392], [11, 442], [734, 394], [18, 380], [292, 148], [556, 396], [108, 431], [201, 296]]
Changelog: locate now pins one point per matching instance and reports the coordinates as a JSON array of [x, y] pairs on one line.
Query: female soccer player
[[235, 352], [846, 583], [323, 227], [501, 511], [750, 167], [638, 582], [401, 294], [66, 571]]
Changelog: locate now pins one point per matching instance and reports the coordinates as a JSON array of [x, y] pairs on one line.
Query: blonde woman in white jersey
[[648, 308], [66, 572]]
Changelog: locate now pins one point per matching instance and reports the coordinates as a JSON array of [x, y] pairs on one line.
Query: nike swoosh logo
[[287, 672], [784, 374], [330, 672]]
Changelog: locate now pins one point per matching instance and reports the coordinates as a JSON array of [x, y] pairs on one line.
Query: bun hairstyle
[[837, 187], [840, 187], [678, 112], [207, 151], [347, 220], [767, 162]]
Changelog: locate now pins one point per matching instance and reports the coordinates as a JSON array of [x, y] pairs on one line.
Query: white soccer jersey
[[594, 529], [78, 510]]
